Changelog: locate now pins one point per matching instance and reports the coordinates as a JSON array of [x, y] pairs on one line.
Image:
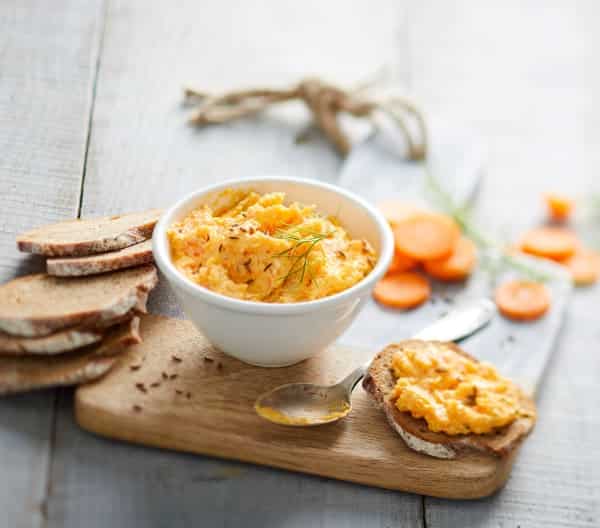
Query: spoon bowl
[[304, 404], [308, 404]]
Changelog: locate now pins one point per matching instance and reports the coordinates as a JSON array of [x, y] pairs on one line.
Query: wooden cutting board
[[175, 391], [208, 407]]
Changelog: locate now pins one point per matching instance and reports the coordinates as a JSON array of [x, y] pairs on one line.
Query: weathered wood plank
[[47, 56], [522, 75], [556, 479], [142, 154]]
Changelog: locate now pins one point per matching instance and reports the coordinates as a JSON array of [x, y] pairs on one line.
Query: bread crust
[[89, 301], [379, 382], [62, 341], [128, 257], [22, 374], [77, 238]]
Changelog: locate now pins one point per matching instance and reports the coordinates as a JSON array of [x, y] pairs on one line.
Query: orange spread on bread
[[452, 393]]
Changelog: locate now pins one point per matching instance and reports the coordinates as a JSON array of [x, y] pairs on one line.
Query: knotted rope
[[325, 102]]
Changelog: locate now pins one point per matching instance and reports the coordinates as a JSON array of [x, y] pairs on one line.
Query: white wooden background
[[91, 123]]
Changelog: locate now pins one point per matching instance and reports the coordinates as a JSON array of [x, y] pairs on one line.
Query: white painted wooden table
[[91, 123]]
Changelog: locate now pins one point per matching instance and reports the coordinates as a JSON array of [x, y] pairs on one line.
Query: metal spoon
[[306, 404]]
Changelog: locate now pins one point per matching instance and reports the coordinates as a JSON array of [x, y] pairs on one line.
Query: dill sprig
[[303, 242], [463, 216]]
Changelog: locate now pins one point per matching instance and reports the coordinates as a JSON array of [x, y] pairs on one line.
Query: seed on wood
[[173, 376], [341, 254], [155, 384], [177, 359], [234, 238], [220, 248], [188, 395], [268, 266], [134, 367], [165, 376], [177, 391], [141, 387], [137, 408]]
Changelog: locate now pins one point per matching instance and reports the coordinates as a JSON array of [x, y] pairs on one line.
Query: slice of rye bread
[[22, 374], [379, 383], [77, 238], [63, 340], [37, 305], [101, 263]]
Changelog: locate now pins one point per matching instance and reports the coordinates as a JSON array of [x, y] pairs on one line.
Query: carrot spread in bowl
[[258, 248], [454, 393]]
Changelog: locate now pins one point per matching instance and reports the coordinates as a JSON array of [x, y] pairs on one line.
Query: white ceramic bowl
[[268, 334]]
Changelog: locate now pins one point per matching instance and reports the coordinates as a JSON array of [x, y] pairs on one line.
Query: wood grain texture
[[141, 141], [141, 146], [47, 56], [523, 75], [203, 403]]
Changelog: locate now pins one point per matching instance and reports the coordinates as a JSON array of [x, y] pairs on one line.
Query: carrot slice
[[555, 243], [584, 266], [559, 207], [426, 236], [458, 265], [395, 210], [402, 290], [401, 263], [522, 300]]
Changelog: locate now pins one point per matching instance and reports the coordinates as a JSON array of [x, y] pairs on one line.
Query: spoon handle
[[458, 324]]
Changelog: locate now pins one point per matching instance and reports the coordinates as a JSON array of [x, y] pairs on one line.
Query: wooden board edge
[[106, 424]]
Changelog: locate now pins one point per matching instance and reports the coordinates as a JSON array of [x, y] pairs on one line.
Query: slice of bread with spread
[[76, 238], [380, 383]]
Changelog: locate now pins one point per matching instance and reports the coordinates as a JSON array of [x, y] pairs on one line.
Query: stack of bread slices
[[69, 325]]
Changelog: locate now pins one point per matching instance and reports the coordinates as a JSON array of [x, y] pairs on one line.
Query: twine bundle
[[325, 102]]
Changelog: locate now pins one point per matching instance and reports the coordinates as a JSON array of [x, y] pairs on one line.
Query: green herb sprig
[[463, 216], [307, 241]]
